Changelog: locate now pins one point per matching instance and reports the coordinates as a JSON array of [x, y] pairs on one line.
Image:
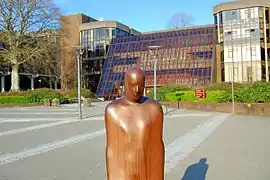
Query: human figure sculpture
[[134, 133]]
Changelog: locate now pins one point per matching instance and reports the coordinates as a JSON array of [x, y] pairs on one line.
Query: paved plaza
[[38, 143]]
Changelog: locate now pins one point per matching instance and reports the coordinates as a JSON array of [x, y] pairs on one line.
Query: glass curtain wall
[[185, 58], [242, 50], [97, 42]]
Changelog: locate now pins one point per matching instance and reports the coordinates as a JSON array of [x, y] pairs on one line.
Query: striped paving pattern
[[47, 144]]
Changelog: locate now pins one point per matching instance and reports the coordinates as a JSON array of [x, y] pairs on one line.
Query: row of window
[[109, 82], [232, 52], [126, 51], [101, 34], [165, 35], [235, 15], [242, 33]]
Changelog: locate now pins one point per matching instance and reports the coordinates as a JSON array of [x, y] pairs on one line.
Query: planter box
[[254, 109]]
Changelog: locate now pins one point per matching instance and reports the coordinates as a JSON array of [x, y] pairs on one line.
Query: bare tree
[[180, 20], [24, 25], [48, 62]]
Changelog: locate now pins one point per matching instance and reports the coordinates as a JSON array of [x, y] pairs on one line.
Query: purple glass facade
[[184, 57]]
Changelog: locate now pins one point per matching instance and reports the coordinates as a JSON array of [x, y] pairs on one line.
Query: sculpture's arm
[[108, 130], [158, 149], [158, 116]]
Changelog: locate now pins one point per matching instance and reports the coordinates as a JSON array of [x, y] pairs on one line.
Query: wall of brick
[[254, 109], [69, 36]]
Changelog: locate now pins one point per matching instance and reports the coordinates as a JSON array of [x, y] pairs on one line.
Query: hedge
[[14, 100], [36, 96], [189, 96], [163, 91], [40, 95], [257, 92]]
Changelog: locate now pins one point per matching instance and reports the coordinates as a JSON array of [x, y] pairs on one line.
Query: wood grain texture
[[134, 128]]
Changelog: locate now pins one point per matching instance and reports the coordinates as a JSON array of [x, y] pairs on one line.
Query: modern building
[[95, 36], [184, 57], [235, 48], [242, 31]]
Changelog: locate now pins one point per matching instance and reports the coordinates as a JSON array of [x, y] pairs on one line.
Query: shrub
[[175, 96], [163, 91], [253, 93], [73, 93], [189, 96], [257, 93], [14, 100], [39, 95], [225, 86]]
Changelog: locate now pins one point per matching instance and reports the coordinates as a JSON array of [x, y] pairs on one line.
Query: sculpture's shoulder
[[154, 105], [113, 106]]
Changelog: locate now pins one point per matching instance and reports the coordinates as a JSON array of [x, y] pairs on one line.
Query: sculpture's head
[[134, 83]]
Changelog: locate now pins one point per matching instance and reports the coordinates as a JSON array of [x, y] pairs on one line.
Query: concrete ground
[[50, 144]]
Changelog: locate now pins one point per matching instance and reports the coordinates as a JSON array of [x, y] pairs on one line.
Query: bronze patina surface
[[134, 133]]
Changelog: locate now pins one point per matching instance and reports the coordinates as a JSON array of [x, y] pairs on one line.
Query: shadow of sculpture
[[196, 171]]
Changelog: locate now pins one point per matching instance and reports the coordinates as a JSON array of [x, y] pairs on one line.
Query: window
[[252, 13], [216, 19], [113, 32], [253, 51], [234, 15], [235, 72], [234, 34], [230, 53], [247, 32], [247, 14], [229, 33], [267, 17]]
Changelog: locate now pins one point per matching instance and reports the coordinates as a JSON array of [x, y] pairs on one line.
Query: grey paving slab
[[41, 113], [175, 127], [85, 159], [19, 141], [17, 125], [82, 161], [238, 150]]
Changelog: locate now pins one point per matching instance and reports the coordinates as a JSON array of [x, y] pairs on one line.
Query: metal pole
[[232, 72], [32, 83], [233, 91], [79, 84], [155, 77]]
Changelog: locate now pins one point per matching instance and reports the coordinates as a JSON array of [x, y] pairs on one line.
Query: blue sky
[[142, 15]]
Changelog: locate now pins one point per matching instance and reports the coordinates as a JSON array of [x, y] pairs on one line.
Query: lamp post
[[155, 69], [233, 108], [79, 51]]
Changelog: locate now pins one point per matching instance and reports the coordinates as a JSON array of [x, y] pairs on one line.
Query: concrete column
[[2, 83], [32, 83]]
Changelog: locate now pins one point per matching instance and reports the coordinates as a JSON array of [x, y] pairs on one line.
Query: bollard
[[47, 102], [86, 102]]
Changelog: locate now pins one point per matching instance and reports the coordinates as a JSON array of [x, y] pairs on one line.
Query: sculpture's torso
[[134, 150]]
